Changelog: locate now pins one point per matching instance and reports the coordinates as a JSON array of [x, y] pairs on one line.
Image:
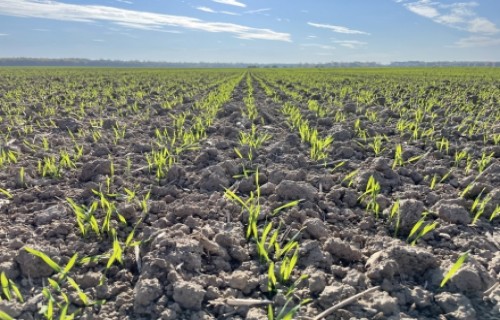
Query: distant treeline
[[75, 62]]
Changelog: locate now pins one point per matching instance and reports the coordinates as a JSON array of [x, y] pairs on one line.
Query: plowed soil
[[193, 259]]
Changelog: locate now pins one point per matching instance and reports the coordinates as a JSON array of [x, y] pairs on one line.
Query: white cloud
[[230, 13], [257, 11], [3, 34], [133, 19], [210, 10], [124, 1], [338, 29], [206, 9], [41, 30], [231, 3], [317, 45], [482, 25], [477, 41], [459, 15], [423, 8], [351, 44]]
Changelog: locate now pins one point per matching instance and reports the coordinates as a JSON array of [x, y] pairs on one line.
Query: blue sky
[[252, 31]]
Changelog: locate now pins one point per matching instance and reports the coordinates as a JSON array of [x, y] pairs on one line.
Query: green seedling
[[130, 195], [286, 206], [65, 160], [85, 217], [22, 175], [459, 156], [398, 157], [5, 316], [288, 314], [349, 178], [495, 213], [371, 192], [144, 202], [454, 268], [271, 278], [128, 169], [376, 145], [62, 277], [9, 289], [420, 229], [78, 152], [45, 144], [109, 208], [254, 139], [466, 190], [6, 193], [484, 161], [287, 265], [446, 176], [338, 165], [251, 205], [246, 172], [434, 181], [281, 250], [319, 110], [7, 157], [443, 144], [395, 214], [496, 139], [469, 164], [478, 206]]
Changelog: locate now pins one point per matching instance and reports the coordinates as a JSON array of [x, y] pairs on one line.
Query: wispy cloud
[[257, 11], [206, 9], [338, 29], [423, 8], [3, 34], [230, 13], [231, 3], [459, 15], [210, 10], [124, 1], [41, 30], [133, 19], [317, 45], [351, 44], [477, 41]]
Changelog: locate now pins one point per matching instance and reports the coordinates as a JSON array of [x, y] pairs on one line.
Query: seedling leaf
[[454, 268], [45, 258]]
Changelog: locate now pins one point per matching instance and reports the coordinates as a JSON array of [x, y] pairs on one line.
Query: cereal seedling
[[376, 145], [495, 213], [9, 288], [5, 316], [85, 217], [454, 268], [371, 192], [484, 161], [415, 234], [6, 193], [478, 206], [395, 214], [349, 178]]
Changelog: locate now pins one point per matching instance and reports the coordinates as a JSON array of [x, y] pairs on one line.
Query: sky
[[252, 31]]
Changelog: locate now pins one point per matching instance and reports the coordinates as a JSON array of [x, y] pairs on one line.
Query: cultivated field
[[250, 194]]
